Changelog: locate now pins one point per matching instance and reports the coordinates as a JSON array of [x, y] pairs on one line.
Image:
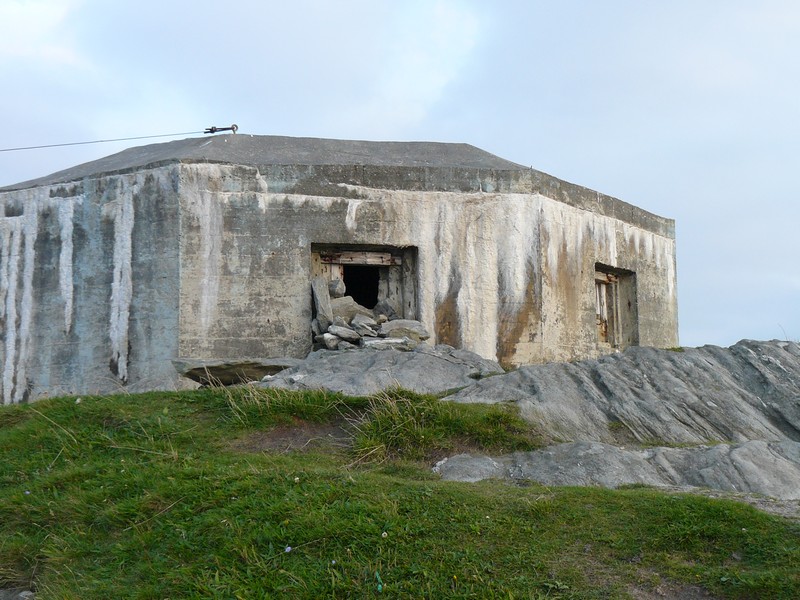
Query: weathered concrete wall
[[573, 241], [88, 286], [245, 266], [508, 274]]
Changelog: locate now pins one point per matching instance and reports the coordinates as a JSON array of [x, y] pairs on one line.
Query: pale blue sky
[[688, 109]]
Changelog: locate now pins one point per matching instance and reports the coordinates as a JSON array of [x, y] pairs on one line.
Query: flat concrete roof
[[263, 150]]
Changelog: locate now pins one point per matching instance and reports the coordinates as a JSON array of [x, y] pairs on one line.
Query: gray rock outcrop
[[769, 468], [750, 391], [734, 411], [425, 370]]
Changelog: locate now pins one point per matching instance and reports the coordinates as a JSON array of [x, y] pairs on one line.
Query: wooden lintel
[[601, 277], [361, 258]]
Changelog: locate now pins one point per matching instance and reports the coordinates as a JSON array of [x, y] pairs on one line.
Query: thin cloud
[[431, 48], [34, 30]]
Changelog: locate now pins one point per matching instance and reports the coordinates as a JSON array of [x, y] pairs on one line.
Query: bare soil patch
[[299, 436], [670, 590]]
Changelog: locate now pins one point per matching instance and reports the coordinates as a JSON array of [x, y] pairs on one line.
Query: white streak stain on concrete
[[19, 235], [66, 213], [475, 267], [8, 228], [669, 256], [549, 220], [122, 213], [352, 210], [263, 187], [31, 231], [9, 276], [204, 208]]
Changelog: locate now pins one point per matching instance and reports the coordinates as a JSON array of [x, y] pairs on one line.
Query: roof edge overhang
[[326, 178]]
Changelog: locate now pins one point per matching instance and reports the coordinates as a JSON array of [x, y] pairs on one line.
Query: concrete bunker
[[204, 248]]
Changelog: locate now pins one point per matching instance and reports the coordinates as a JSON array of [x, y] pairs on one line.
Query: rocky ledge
[[426, 370], [721, 418]]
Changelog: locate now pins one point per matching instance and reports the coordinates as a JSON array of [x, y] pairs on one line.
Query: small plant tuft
[[402, 424]]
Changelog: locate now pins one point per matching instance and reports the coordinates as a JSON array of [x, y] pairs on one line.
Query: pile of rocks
[[342, 324]]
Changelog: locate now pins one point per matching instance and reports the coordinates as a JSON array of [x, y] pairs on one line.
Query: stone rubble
[[392, 352], [336, 288], [322, 302], [343, 324]]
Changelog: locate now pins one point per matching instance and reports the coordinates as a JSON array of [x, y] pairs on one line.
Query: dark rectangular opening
[[361, 282]]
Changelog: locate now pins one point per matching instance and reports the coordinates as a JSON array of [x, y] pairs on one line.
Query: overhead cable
[[125, 139]]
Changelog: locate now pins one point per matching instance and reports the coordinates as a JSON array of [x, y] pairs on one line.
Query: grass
[[400, 424], [147, 496]]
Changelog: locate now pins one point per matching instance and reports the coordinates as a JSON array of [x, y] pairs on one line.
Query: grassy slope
[[147, 496]]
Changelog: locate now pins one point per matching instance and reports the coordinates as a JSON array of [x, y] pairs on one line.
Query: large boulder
[[347, 308], [427, 369], [404, 328]]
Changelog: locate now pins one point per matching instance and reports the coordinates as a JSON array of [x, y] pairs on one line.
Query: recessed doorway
[[371, 274]]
